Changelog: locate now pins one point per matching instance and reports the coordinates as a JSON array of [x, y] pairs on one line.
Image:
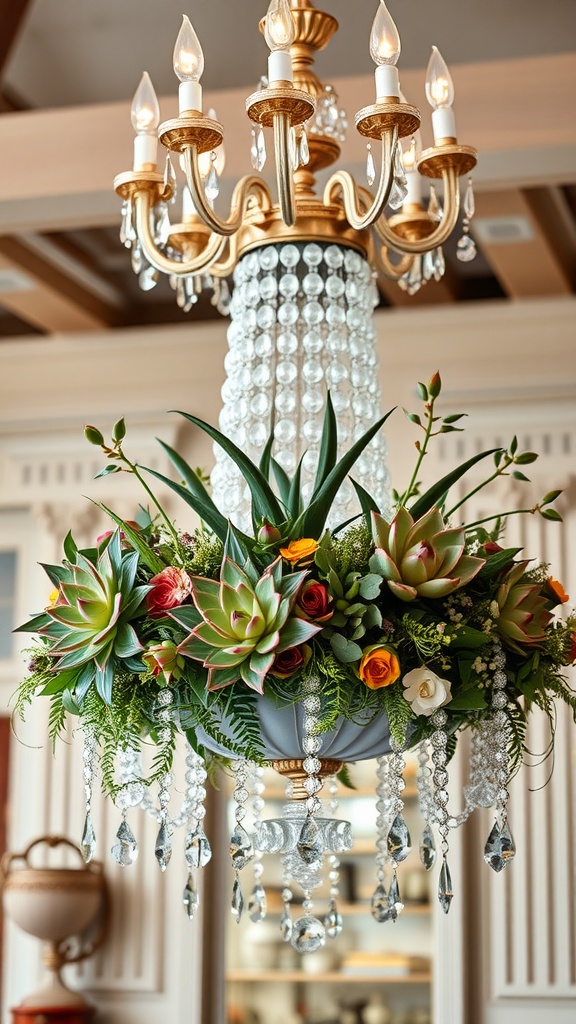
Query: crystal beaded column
[[500, 848], [301, 324], [241, 848]]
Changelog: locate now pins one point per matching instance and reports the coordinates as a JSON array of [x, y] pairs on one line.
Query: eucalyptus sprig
[[121, 464], [428, 393]]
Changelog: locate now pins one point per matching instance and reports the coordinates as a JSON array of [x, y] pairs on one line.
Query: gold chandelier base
[[293, 769], [315, 222]]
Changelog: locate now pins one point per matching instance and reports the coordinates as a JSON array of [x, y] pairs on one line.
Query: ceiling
[[68, 53]]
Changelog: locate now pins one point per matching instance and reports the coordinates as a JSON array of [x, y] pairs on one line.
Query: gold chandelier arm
[[250, 185], [225, 267], [284, 176], [357, 215], [393, 270], [391, 240], [203, 261]]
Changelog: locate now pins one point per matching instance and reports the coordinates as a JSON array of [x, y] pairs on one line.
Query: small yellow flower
[[298, 550], [53, 597]]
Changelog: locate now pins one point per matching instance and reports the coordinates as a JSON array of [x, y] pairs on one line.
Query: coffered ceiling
[[68, 69]]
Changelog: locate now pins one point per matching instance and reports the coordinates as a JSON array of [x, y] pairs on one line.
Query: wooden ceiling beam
[[12, 14], [525, 268], [45, 297]]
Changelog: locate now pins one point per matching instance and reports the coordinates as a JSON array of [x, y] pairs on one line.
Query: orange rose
[[554, 591], [378, 667], [298, 550]]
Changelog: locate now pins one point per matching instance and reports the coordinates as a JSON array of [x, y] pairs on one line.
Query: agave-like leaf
[[328, 447], [311, 522], [217, 523], [367, 502], [264, 502], [147, 556]]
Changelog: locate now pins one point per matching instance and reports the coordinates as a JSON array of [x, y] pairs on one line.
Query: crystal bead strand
[[426, 805], [379, 902], [308, 933], [257, 902], [88, 842], [500, 848], [398, 842], [197, 849], [241, 848], [333, 921], [163, 846], [440, 779], [466, 246]]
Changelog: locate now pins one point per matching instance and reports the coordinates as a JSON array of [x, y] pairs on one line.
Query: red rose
[[288, 662], [314, 602], [170, 588]]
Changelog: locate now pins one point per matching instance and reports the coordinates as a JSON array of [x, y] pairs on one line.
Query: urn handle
[[51, 841]]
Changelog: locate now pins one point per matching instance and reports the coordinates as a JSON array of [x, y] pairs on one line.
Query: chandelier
[[273, 634]]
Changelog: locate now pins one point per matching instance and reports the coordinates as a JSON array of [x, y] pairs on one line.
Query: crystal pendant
[[137, 259], [237, 905], [257, 904], [428, 265], [428, 848], [370, 167], [379, 904], [197, 849], [88, 843], [439, 263], [310, 845], [125, 851], [161, 224], [395, 905], [212, 186], [303, 149], [163, 848], [258, 150], [241, 848], [445, 893], [286, 925], [500, 847], [148, 278], [190, 898], [466, 249], [333, 921], [469, 203], [308, 934], [170, 177], [399, 842], [434, 208], [399, 189], [127, 234]]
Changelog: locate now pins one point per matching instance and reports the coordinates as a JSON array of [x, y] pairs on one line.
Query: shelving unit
[[259, 964]]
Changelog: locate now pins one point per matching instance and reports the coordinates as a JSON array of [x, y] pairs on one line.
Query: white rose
[[425, 691]]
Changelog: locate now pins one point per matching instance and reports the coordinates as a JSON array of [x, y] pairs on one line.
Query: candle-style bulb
[[439, 84], [279, 28], [384, 38], [145, 111], [188, 56]]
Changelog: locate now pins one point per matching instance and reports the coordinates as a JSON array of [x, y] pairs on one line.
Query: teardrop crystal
[[395, 905], [197, 849], [304, 150], [469, 203], [370, 167], [428, 265], [333, 921], [439, 263], [190, 898], [308, 934], [241, 848], [428, 848], [500, 847], [379, 904], [163, 848], [310, 844], [125, 850], [260, 147], [399, 842], [286, 925], [148, 278], [212, 186], [434, 208], [257, 904], [445, 893], [237, 905], [88, 842]]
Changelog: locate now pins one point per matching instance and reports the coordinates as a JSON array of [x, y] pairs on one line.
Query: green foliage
[[399, 712]]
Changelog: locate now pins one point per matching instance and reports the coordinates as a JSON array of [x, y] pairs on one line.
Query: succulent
[[524, 613], [246, 623], [89, 623], [421, 559]]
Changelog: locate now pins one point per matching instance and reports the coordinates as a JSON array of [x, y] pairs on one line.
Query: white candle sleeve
[[145, 150], [280, 66], [190, 96], [414, 186], [387, 82], [443, 123]]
